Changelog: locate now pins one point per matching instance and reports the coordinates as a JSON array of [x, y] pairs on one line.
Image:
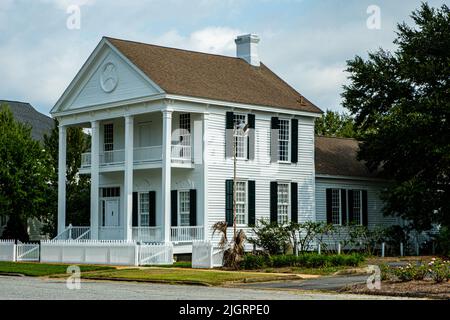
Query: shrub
[[307, 260], [440, 270], [272, 237]]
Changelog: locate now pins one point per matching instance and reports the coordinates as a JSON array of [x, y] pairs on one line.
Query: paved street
[[55, 289]]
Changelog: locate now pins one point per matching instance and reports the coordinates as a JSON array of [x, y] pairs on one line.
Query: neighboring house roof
[[210, 76], [338, 157], [25, 113]]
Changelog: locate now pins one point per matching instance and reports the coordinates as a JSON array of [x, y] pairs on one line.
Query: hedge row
[[307, 260]]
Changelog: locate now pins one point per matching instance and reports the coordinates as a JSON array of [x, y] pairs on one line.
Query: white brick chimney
[[247, 48]]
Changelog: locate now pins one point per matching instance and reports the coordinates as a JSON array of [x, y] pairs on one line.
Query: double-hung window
[[240, 140], [283, 140], [283, 203], [184, 208], [144, 212], [357, 207], [241, 202], [336, 206]]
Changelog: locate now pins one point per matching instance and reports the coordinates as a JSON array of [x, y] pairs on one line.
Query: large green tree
[[335, 124], [24, 176], [401, 101], [77, 186]]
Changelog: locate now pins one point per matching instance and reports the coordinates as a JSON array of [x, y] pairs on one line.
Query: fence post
[[319, 248], [136, 254], [401, 249], [383, 246], [15, 248], [339, 248], [70, 231]]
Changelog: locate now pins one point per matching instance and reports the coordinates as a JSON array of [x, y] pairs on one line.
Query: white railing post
[[383, 245], [401, 249], [319, 248], [339, 248], [70, 231]]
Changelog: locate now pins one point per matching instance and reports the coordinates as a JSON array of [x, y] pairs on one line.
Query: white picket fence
[[108, 252], [205, 255], [154, 254], [7, 250], [27, 252]]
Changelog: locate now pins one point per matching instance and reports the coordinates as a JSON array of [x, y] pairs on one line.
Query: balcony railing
[[147, 154], [186, 234], [179, 153]]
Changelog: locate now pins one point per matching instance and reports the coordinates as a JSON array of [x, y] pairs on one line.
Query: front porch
[[178, 235]]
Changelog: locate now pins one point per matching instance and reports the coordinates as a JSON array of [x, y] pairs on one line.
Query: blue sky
[[306, 42]]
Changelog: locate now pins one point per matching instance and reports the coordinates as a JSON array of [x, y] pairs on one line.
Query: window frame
[[111, 144], [179, 211], [237, 134], [289, 140], [333, 190], [360, 216], [287, 204], [245, 202], [140, 214]]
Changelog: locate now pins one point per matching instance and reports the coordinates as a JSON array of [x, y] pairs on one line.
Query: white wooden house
[[161, 162]]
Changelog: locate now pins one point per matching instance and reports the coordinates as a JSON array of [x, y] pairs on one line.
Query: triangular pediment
[[107, 77]]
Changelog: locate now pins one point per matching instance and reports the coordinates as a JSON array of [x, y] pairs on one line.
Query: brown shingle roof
[[212, 76], [337, 157]]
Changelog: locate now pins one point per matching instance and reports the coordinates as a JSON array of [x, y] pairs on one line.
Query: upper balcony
[[145, 157]]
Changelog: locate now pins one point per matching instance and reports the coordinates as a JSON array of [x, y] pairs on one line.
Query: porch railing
[[186, 234], [111, 233], [74, 233], [147, 234]]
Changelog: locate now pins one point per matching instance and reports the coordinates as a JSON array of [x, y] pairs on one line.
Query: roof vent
[[247, 48]]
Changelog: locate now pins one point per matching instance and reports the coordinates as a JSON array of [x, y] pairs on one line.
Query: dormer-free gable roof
[[216, 77]]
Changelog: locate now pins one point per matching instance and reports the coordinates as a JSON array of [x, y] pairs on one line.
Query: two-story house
[[163, 121], [161, 160]]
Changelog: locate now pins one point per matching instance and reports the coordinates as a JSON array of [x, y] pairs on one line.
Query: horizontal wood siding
[[375, 205], [261, 170]]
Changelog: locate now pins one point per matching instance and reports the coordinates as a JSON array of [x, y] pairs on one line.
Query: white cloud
[[217, 40]]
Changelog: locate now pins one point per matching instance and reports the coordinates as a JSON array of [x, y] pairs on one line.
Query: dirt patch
[[417, 289]]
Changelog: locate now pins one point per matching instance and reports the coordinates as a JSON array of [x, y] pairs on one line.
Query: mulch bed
[[416, 289]]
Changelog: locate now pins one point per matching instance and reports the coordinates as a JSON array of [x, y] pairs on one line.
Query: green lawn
[[185, 276], [41, 269]]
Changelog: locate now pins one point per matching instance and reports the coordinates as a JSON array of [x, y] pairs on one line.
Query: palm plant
[[233, 251]]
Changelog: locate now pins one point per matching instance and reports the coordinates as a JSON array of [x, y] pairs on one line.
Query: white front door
[[112, 213]]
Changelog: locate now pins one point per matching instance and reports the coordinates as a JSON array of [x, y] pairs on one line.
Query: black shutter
[[229, 202], [152, 208], [251, 203], [350, 206], [344, 206], [135, 209], [275, 124], [294, 143], [251, 137], [251, 121], [229, 120], [174, 208], [365, 213], [329, 206], [193, 207], [229, 135], [294, 201], [273, 202]]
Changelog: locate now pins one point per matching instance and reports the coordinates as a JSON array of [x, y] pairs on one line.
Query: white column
[[205, 175], [95, 158], [128, 176], [166, 174], [62, 179]]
